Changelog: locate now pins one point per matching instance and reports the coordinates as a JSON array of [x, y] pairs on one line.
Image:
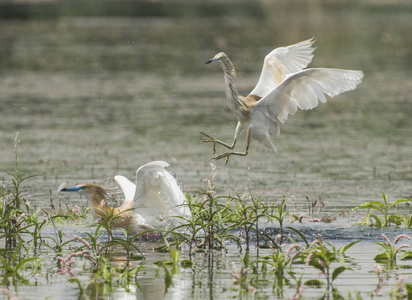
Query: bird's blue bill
[[72, 189]]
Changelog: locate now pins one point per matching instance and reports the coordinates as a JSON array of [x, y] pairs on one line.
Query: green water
[[99, 88]]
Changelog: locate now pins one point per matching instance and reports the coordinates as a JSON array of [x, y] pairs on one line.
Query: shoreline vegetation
[[220, 223]]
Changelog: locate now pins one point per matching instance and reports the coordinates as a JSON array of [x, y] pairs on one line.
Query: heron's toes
[[207, 138], [227, 154]]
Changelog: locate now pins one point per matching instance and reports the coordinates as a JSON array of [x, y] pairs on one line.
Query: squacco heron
[[151, 203], [283, 87]]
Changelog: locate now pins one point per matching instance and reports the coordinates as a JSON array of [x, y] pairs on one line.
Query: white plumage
[[282, 88], [156, 195], [154, 202]]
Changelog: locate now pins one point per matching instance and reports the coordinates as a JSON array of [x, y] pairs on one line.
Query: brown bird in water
[[151, 203], [283, 87]]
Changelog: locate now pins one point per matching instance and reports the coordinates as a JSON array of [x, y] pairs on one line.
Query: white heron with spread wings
[[154, 202], [283, 87]]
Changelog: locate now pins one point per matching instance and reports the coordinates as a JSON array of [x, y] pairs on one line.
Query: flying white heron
[[282, 88]]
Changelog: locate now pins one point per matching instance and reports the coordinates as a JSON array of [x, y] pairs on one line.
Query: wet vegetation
[[383, 207], [268, 260], [96, 88]]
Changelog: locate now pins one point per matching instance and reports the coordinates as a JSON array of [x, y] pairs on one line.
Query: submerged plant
[[401, 290], [164, 264], [127, 276], [299, 287], [242, 280], [382, 207]]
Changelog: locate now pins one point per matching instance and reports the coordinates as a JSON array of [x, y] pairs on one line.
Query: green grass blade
[[343, 249], [400, 201]]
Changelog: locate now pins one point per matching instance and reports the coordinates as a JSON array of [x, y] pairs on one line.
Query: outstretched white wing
[[282, 62], [304, 90], [128, 187], [158, 196]]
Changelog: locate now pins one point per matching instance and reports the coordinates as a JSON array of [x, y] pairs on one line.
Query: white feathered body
[[283, 87], [156, 199]]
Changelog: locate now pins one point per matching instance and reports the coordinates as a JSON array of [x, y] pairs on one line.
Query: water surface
[[95, 92]]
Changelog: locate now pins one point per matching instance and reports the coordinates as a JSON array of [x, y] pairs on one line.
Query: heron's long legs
[[228, 154], [209, 139]]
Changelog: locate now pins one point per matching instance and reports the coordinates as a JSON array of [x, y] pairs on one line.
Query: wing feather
[[128, 187], [305, 89], [282, 62], [158, 195]]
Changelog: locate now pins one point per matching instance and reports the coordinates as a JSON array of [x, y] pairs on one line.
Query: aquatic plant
[[82, 287], [211, 222], [391, 250], [216, 220], [128, 276], [164, 264], [126, 241], [174, 262], [356, 297], [100, 259], [35, 224], [11, 199], [59, 243], [13, 266], [207, 226], [319, 256], [246, 215], [401, 290], [280, 216], [242, 280], [407, 221], [312, 205], [76, 213], [281, 264], [299, 287], [382, 207]]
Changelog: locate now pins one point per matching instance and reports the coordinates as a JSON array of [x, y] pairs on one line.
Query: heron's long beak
[[71, 189], [211, 60]]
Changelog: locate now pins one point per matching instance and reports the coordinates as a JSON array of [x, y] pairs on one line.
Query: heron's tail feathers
[[268, 143], [272, 125]]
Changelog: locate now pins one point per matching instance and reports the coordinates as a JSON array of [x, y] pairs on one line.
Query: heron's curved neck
[[230, 88], [100, 208]]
